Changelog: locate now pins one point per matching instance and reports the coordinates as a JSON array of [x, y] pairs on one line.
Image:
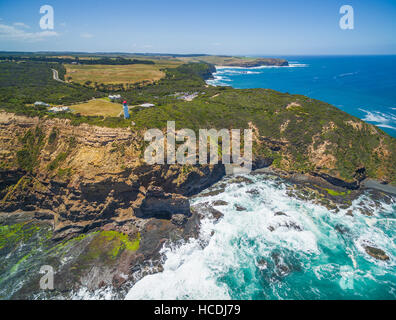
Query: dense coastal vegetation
[[76, 186], [244, 62], [89, 61], [23, 83], [297, 133]]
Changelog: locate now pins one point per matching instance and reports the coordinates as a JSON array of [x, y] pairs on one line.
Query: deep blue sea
[[363, 86], [280, 246], [255, 254]]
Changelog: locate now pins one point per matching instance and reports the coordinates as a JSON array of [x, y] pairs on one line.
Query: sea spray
[[269, 245]]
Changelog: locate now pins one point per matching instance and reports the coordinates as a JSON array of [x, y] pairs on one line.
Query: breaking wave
[[380, 119], [278, 247], [221, 79]]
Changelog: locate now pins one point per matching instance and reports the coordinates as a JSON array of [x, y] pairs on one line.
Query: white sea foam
[[220, 76], [233, 72], [291, 65], [297, 65], [380, 119], [191, 271], [84, 293], [348, 74], [239, 239], [386, 126], [219, 79]]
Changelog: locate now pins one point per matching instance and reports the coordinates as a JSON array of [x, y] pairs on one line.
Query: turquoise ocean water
[[364, 86], [309, 252], [279, 246]]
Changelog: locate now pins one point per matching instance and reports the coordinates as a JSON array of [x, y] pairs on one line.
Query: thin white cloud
[[21, 24], [86, 35], [16, 34]]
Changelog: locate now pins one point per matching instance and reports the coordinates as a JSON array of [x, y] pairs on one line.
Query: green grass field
[[118, 74], [97, 107]]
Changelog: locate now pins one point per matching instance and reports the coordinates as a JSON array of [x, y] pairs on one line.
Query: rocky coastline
[[107, 210], [252, 63]]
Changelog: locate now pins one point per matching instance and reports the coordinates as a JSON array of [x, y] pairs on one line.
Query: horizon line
[[197, 54]]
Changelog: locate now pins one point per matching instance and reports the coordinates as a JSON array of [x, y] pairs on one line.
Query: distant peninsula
[[234, 61], [72, 172], [250, 63]]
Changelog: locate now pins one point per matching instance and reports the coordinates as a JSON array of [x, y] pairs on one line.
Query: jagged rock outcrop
[[88, 176]]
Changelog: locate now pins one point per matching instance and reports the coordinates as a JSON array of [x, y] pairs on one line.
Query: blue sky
[[249, 27]]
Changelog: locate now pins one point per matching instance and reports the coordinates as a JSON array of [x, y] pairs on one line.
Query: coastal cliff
[[86, 176], [108, 211], [250, 63], [107, 214], [82, 180], [238, 61]]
